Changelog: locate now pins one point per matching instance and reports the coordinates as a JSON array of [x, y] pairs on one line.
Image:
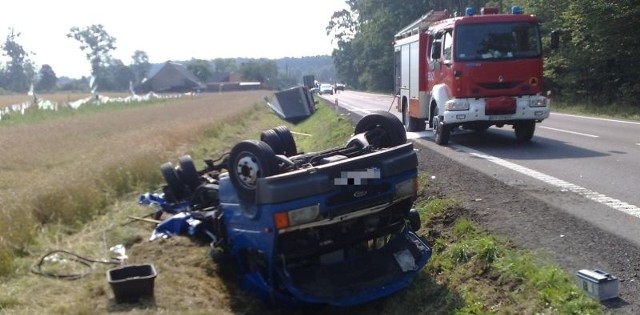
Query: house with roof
[[172, 77]]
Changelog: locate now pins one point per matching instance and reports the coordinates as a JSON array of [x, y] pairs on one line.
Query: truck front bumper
[[497, 110]]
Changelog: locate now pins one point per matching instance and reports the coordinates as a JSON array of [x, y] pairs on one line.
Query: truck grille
[[499, 85]]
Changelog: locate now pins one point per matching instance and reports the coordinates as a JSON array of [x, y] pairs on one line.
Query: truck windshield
[[496, 41]]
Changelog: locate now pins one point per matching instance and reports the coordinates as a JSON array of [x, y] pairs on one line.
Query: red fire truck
[[470, 72]]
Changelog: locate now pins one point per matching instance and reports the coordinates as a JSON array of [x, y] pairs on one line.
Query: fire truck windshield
[[493, 41]]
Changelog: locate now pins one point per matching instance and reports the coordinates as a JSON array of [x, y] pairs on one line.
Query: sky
[[170, 30]]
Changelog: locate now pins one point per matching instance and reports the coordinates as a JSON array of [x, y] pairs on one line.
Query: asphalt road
[[585, 166]]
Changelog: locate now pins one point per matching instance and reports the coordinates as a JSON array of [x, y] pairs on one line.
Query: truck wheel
[[248, 161], [524, 130], [189, 173], [414, 220], [441, 131], [383, 129], [288, 143], [412, 123], [271, 138], [174, 184]]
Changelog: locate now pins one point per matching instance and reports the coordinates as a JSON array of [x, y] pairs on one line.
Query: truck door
[[434, 60], [441, 59], [446, 73]]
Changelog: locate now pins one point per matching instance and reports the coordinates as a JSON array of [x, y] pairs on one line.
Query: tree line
[[111, 74], [595, 62]]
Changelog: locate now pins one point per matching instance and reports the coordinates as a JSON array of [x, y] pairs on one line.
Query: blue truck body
[[338, 231]]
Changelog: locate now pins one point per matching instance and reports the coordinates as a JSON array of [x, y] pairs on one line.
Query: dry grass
[[188, 281], [65, 169]]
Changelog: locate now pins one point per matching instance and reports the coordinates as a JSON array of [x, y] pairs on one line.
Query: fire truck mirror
[[435, 50]]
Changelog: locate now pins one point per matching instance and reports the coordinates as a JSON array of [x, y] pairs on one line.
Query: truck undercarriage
[[329, 227]]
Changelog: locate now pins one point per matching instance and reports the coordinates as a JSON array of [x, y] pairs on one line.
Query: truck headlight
[[406, 188], [296, 216], [456, 104], [538, 102]]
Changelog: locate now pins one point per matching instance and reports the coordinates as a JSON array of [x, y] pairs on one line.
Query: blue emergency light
[[516, 9], [468, 11]]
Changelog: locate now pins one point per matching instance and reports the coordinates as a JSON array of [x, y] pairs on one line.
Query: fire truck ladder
[[422, 23]]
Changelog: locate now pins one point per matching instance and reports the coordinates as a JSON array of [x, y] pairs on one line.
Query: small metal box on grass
[[130, 283], [598, 284]]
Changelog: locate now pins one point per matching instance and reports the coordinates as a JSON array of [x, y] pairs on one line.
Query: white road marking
[[419, 134], [351, 108], [563, 185], [572, 132], [597, 118]]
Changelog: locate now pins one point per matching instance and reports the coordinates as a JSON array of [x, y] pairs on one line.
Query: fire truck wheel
[[524, 130], [414, 220], [288, 143], [413, 124], [174, 184], [441, 131], [189, 173], [383, 129], [248, 161], [273, 140]]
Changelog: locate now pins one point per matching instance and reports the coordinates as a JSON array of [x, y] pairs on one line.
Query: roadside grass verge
[[470, 272], [489, 273], [609, 111]]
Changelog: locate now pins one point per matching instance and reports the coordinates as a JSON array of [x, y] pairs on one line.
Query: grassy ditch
[[609, 111], [470, 271]]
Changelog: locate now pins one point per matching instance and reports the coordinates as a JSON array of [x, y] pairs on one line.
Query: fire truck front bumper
[[496, 110]]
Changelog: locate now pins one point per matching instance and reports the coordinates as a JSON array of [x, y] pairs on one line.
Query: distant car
[[326, 88], [339, 87]]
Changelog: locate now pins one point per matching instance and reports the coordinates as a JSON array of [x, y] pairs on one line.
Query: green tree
[[116, 76], [19, 70], [227, 65], [364, 35], [76, 85], [96, 43], [140, 65], [47, 79], [201, 69], [261, 70]]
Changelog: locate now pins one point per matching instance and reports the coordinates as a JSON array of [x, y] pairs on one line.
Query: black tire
[[288, 143], [414, 220], [189, 173], [413, 124], [248, 161], [524, 130], [382, 129], [174, 184], [272, 138], [441, 132]]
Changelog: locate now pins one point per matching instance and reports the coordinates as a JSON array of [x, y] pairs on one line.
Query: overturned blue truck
[[330, 227]]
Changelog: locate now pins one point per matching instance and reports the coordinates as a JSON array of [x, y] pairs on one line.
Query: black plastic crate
[[132, 282]]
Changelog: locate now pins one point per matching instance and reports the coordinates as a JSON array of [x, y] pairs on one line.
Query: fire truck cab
[[470, 72]]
